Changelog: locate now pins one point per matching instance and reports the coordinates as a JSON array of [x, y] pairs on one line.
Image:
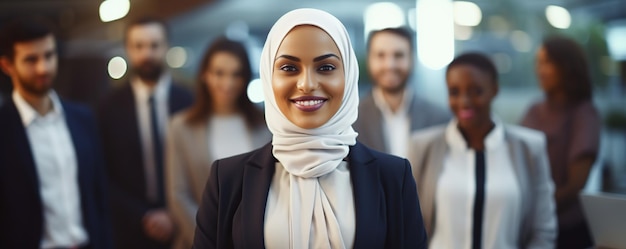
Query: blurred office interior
[[92, 58]]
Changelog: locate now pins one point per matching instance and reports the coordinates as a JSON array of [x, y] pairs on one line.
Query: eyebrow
[[316, 59]]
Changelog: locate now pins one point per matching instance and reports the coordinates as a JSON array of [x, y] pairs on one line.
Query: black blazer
[[119, 132], [232, 211], [21, 208]]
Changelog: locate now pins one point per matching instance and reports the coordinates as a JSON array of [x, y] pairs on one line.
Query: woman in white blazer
[[481, 183], [221, 123]]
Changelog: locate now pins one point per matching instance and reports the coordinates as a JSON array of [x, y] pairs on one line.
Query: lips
[[467, 114], [309, 103]]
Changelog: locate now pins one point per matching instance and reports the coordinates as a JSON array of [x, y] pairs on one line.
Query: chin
[[306, 123]]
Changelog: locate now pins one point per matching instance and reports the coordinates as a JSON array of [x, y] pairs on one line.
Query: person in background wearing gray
[[221, 123], [392, 110], [572, 125], [482, 183]]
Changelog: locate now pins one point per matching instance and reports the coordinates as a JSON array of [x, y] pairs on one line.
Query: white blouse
[[228, 136], [338, 188], [456, 190]]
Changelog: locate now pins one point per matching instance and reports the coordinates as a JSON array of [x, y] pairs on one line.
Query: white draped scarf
[[307, 154]]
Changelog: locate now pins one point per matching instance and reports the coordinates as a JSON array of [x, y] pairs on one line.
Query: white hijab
[[311, 153]]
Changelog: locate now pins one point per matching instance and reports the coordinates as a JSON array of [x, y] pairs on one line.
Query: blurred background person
[[133, 122], [572, 126], [221, 123], [392, 110], [52, 185], [481, 183]]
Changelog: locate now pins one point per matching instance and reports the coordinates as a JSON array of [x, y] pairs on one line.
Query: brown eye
[[453, 92], [327, 67], [477, 91], [288, 68]]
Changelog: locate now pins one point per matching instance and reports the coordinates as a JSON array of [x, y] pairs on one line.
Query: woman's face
[[547, 72], [470, 92], [308, 77], [224, 79]]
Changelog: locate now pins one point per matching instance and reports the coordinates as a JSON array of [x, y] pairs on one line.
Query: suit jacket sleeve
[[415, 234], [181, 203], [543, 234], [207, 218]]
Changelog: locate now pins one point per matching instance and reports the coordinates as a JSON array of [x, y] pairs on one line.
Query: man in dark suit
[[52, 185], [133, 121], [392, 111]]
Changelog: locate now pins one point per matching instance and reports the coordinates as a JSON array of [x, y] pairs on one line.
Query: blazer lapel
[[519, 156], [369, 214], [257, 177], [16, 132], [427, 184], [79, 142], [374, 125]]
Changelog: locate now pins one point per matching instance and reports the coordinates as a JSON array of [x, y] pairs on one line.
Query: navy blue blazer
[[119, 132], [232, 211], [21, 208]]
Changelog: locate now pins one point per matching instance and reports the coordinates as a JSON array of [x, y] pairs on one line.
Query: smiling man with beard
[[393, 111], [133, 121]]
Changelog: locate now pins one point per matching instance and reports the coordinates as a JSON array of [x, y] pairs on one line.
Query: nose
[[464, 100], [307, 82], [44, 66], [230, 83], [389, 62]]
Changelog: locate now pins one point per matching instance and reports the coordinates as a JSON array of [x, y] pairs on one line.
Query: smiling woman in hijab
[[314, 186]]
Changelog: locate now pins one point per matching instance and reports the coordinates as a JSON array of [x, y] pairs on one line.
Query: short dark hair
[[478, 60], [202, 109], [145, 21], [402, 32], [571, 63], [22, 30]]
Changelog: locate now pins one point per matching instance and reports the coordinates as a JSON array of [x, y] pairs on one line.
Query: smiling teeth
[[309, 102]]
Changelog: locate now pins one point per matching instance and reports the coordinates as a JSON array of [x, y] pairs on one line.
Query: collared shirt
[[57, 168], [396, 125], [142, 93], [456, 192]]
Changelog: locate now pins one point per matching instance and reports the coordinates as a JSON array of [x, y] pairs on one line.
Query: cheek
[[452, 103], [238, 84], [335, 87], [404, 64], [161, 53], [552, 73], [25, 70], [377, 65], [209, 81], [484, 103], [282, 88]]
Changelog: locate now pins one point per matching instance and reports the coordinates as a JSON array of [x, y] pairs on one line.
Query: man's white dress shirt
[[57, 170]]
